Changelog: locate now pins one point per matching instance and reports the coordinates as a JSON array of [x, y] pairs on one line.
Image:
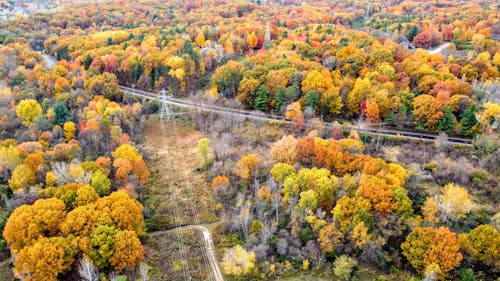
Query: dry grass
[[174, 184], [6, 273], [175, 190], [163, 253]]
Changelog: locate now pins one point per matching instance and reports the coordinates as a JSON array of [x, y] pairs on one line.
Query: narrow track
[[271, 117]]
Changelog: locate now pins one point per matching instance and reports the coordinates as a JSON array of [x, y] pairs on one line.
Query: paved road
[[208, 243], [271, 117]]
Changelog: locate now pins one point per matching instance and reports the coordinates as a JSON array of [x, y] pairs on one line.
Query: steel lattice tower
[[165, 111]]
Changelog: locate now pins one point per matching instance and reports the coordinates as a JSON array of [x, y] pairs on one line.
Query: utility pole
[[165, 111]]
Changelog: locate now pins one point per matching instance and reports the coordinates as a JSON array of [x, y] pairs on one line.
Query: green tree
[[87, 61], [203, 150], [262, 98], [466, 274], [448, 122], [468, 120], [102, 242], [279, 100], [61, 114], [101, 183], [311, 99]]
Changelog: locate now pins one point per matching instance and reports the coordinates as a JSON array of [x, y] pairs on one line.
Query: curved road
[[271, 117], [439, 48]]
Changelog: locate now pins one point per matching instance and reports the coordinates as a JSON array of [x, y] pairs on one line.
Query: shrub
[[345, 267]]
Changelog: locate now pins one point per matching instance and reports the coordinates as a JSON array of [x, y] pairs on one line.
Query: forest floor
[[177, 194]]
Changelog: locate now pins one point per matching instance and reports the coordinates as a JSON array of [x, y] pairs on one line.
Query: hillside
[[315, 140]]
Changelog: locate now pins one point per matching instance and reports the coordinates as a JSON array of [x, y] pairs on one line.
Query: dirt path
[[207, 241], [209, 246], [7, 261], [438, 49]]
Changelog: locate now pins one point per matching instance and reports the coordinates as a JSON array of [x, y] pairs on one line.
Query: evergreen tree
[[280, 100], [390, 117], [87, 61], [291, 93], [469, 120], [262, 98], [311, 99], [448, 122], [61, 114]]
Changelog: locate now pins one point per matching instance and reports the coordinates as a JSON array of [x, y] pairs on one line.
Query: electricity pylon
[[165, 111]]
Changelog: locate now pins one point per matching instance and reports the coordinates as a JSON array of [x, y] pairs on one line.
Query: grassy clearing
[[173, 161], [163, 253], [175, 184]]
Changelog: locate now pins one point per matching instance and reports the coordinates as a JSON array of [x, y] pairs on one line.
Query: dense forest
[[290, 198]]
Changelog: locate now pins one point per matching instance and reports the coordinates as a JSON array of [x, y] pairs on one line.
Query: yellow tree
[[294, 112], [426, 246], [203, 150], [220, 183], [128, 251], [427, 111], [238, 262], [484, 245], [329, 237], [125, 212], [128, 159], [281, 171], [252, 40], [378, 192], [22, 177], [490, 114], [81, 220], [361, 90], [246, 167], [28, 110], [332, 100], [30, 222], [372, 111], [45, 259], [315, 80], [430, 210], [454, 203], [69, 130]]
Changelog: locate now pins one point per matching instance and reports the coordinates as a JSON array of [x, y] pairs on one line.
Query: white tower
[[165, 111], [267, 37]]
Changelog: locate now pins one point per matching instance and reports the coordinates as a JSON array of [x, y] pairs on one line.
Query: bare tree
[[88, 271]]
